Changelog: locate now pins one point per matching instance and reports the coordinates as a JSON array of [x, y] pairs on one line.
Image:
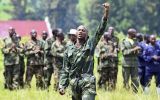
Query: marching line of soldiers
[[72, 63]]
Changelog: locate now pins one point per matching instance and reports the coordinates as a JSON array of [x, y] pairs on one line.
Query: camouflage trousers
[[56, 76], [132, 72], [22, 71], [108, 78], [36, 70], [11, 75], [48, 70], [83, 88]]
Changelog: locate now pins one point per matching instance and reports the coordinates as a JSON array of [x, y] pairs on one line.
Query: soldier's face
[[72, 37], [81, 32], [34, 35], [44, 36], [111, 30], [133, 35], [152, 39], [61, 38], [11, 32]]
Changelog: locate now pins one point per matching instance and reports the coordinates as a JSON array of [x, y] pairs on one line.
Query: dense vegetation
[[141, 14]]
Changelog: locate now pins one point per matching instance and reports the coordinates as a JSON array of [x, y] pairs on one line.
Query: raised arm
[[102, 26]]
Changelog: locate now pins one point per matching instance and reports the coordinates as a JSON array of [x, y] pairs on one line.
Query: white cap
[[72, 31]]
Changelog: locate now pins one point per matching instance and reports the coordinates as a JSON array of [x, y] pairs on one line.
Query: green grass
[[33, 94]]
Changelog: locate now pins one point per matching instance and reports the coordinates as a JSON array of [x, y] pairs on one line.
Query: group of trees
[[141, 14]]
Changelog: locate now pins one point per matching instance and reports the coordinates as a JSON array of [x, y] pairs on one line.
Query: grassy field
[[33, 94]]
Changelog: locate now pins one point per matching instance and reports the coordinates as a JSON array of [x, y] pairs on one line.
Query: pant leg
[[126, 75], [134, 79], [16, 75], [8, 76], [141, 74], [158, 79], [99, 79], [22, 71], [29, 74], [102, 77], [88, 87], [112, 78], [56, 77], [76, 96], [88, 97], [39, 76], [48, 70], [148, 76]]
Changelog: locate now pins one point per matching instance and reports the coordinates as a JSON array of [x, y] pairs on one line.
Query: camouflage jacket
[[129, 58], [48, 58], [35, 52], [43, 43], [108, 54], [11, 55], [57, 52], [78, 62], [69, 43], [115, 42]]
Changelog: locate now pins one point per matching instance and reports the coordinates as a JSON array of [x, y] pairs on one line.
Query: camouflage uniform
[[78, 67], [22, 66], [48, 62], [69, 43], [129, 64], [108, 65], [57, 52], [11, 63], [35, 61]]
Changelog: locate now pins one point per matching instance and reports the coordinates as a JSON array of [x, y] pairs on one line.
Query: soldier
[[57, 50], [72, 37], [78, 63], [44, 35], [152, 57], [107, 68], [130, 51], [21, 63], [115, 42], [34, 51], [48, 59], [11, 61], [141, 62]]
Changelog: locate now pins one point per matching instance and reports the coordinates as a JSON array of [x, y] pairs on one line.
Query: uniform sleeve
[[141, 54], [118, 45], [28, 50], [5, 50], [55, 53], [99, 32], [125, 50], [147, 55], [64, 73]]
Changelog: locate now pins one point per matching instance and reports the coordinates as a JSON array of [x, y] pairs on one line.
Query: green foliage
[[140, 14]]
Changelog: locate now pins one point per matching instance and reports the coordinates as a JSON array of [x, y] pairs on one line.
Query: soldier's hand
[[136, 48], [13, 45], [155, 57], [61, 91], [106, 8]]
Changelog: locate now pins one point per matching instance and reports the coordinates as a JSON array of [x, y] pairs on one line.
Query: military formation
[[71, 61]]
